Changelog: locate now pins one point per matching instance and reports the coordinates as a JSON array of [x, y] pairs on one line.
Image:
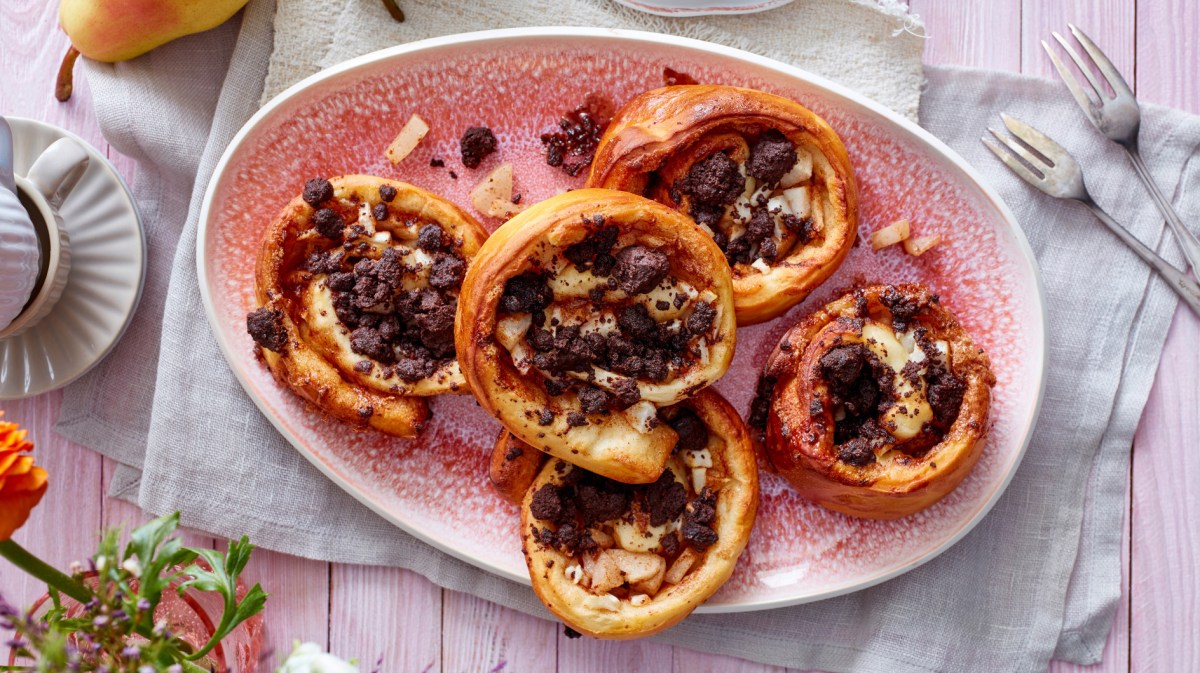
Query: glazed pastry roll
[[583, 316], [513, 467], [879, 405], [357, 285], [614, 560], [768, 179]]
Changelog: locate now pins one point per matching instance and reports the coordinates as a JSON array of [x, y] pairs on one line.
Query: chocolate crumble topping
[[477, 143], [317, 191], [715, 181], [771, 158], [328, 223], [693, 434], [640, 269], [387, 193], [526, 293], [265, 326]]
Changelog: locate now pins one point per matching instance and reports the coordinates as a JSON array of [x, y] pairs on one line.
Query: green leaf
[[222, 577]]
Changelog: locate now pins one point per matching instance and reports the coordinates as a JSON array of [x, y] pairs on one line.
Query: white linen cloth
[[1039, 576]]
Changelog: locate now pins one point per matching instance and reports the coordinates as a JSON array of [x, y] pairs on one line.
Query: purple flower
[[100, 621], [91, 605], [143, 604], [133, 653], [120, 616], [16, 643]]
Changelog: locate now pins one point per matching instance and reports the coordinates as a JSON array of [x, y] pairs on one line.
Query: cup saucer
[[108, 266]]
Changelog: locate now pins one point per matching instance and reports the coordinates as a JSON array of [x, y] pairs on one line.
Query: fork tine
[[1111, 74], [1013, 164], [1101, 92], [1017, 148], [1085, 102], [1043, 144]]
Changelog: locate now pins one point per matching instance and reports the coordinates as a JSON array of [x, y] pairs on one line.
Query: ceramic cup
[[51, 178]]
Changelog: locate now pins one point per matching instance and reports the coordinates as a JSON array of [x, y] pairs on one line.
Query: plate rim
[[558, 32]]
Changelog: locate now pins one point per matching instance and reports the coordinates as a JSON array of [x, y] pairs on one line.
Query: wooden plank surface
[[409, 624], [1166, 463]]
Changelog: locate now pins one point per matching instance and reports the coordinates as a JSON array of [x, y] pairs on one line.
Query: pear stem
[[393, 8], [65, 83]]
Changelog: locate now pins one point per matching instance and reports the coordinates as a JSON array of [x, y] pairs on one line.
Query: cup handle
[[58, 169]]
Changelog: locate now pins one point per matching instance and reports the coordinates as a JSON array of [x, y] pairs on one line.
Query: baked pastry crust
[[603, 416], [301, 321], [910, 449], [656, 140], [609, 611], [513, 467]]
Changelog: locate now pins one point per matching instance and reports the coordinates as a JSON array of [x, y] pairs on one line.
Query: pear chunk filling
[[633, 542]]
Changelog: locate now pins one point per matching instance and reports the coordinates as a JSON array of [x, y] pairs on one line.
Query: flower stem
[[31, 564]]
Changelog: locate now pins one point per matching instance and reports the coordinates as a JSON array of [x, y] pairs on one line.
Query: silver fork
[[1119, 119], [1053, 170]]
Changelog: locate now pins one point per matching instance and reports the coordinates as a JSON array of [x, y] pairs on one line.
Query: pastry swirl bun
[[765, 176], [619, 561], [584, 315], [880, 403], [357, 283]]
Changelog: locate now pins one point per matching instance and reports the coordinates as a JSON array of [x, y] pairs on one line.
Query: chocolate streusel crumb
[[430, 238], [856, 452], [627, 392], [387, 193], [317, 191], [640, 269], [665, 499], [592, 400], [320, 262], [514, 452], [547, 505], [771, 158], [576, 419], [715, 181], [379, 211], [453, 175], [265, 326], [447, 271], [701, 319], [477, 143], [526, 293], [545, 417], [328, 223], [693, 433], [571, 633], [436, 162]]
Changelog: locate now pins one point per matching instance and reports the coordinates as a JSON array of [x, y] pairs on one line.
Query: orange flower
[[22, 484]]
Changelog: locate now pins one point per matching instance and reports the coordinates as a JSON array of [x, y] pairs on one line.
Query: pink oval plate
[[519, 82]]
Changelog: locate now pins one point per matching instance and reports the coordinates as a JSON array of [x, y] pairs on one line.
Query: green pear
[[118, 30]]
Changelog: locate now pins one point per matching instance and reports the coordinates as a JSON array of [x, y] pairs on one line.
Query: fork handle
[[1185, 287], [1187, 240]]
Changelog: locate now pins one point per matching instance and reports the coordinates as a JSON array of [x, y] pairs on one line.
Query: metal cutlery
[[1043, 163], [1119, 119]]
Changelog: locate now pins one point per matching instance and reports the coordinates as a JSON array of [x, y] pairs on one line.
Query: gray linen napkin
[[1037, 578]]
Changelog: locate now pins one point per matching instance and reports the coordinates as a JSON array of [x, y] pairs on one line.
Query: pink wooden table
[[369, 613]]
